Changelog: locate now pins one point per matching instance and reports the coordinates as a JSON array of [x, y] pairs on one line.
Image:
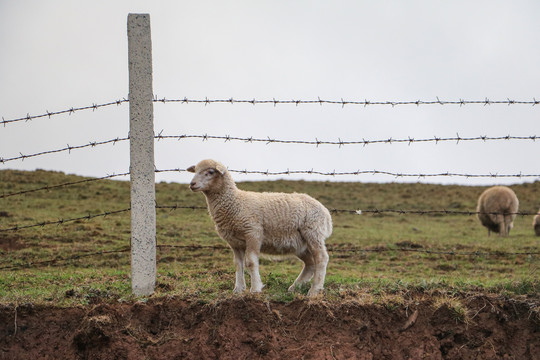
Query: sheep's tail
[[319, 221], [328, 228], [323, 224]]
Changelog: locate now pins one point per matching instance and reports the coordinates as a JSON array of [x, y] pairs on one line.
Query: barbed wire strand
[[339, 248], [35, 264], [342, 102], [269, 140], [63, 221], [378, 211], [69, 111], [331, 248], [51, 187], [366, 172], [267, 173], [341, 143], [332, 210], [68, 148]]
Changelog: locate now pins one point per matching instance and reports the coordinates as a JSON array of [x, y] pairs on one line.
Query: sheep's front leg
[[240, 283], [252, 264]]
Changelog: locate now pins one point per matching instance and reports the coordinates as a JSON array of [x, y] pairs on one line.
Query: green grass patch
[[83, 261]]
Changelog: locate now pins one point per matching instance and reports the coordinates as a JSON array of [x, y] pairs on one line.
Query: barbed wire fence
[[272, 141], [410, 141]]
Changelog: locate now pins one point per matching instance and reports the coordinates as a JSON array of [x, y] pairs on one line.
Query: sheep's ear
[[221, 169], [191, 169]]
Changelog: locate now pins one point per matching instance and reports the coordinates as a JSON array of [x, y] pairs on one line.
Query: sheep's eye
[[211, 172]]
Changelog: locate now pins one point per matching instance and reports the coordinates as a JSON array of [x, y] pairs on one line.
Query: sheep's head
[[208, 175]]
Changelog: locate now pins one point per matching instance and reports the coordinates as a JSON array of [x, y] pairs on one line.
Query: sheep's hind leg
[[320, 256], [307, 271], [508, 223], [502, 226], [240, 283]]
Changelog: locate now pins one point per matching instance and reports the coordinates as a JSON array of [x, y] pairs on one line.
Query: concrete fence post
[[141, 138]]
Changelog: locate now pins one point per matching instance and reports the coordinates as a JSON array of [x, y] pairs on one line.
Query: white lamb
[[270, 223]]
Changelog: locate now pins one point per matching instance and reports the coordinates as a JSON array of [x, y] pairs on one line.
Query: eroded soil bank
[[249, 328]]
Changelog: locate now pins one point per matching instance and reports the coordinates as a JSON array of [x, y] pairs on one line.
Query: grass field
[[79, 261]]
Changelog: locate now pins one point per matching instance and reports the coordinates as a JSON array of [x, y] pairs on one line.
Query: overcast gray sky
[[60, 54]]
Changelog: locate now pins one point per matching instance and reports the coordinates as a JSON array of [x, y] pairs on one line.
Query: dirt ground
[[249, 328]]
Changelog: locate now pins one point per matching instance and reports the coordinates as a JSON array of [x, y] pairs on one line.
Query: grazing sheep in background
[[270, 223], [497, 208], [536, 224]]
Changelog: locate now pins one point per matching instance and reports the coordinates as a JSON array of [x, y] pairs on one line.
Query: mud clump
[[93, 333], [10, 242]]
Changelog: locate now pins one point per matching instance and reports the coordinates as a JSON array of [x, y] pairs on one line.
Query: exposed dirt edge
[[245, 328]]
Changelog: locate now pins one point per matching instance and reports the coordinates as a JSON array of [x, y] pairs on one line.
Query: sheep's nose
[[193, 185]]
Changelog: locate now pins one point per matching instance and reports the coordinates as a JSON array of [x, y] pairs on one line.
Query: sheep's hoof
[[238, 290], [314, 292]]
